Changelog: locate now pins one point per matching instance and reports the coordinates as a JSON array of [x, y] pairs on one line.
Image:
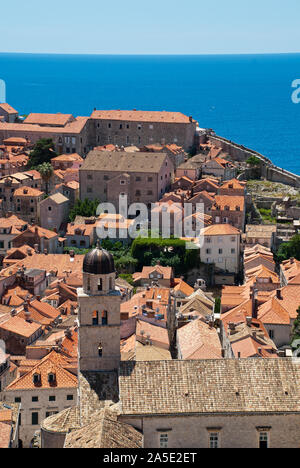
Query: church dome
[[98, 262]]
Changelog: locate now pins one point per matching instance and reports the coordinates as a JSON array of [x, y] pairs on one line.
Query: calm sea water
[[246, 98]]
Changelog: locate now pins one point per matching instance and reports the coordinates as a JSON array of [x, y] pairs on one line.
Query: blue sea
[[246, 98]]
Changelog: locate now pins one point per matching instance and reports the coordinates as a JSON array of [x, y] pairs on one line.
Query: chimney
[[29, 252], [38, 298], [36, 248], [45, 252], [68, 333], [278, 294], [292, 260], [72, 253], [223, 352], [190, 118], [249, 321]]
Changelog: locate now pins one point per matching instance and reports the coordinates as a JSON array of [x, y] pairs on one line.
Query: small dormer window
[[36, 378], [51, 377]]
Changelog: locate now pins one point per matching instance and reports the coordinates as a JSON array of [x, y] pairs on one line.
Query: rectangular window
[[17, 399], [69, 397], [89, 190], [232, 251], [163, 440], [214, 440], [52, 398], [220, 251], [271, 334], [34, 418], [263, 440], [35, 398]]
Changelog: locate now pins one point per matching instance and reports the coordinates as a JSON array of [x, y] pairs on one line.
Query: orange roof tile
[[54, 362], [20, 327], [141, 116]]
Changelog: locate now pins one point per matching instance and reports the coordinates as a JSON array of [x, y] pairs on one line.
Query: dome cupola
[[98, 262]]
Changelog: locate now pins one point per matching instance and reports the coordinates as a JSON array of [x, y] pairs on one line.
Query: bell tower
[[99, 313]]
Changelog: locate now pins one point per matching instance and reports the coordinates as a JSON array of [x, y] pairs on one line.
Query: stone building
[[27, 202], [142, 128], [69, 134], [9, 184], [222, 247], [206, 403], [142, 177], [229, 209], [8, 113], [46, 387], [54, 211]]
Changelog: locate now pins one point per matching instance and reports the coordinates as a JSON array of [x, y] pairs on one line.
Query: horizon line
[[151, 54]]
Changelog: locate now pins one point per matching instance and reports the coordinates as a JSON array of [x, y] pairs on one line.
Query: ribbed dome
[[98, 262]]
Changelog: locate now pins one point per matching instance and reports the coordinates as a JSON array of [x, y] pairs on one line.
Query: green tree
[[46, 171], [43, 151], [84, 207], [289, 249], [253, 161]]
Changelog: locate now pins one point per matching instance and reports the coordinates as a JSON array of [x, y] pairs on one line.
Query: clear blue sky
[[150, 26]]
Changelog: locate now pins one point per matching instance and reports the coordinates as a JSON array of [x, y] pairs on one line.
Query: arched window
[[100, 349], [95, 317], [100, 284], [104, 317], [88, 283], [110, 283]]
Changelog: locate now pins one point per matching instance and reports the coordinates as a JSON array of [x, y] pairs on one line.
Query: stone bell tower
[[99, 313]]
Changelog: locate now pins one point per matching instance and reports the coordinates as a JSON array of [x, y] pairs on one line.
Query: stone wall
[[235, 431], [268, 170]]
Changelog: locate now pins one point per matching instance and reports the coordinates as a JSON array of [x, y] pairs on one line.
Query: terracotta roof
[[120, 161], [183, 287], [210, 386], [105, 431], [221, 229], [141, 116], [230, 201], [27, 192], [83, 229], [67, 157], [155, 334], [74, 127], [52, 363], [166, 272], [48, 119], [150, 352], [20, 327], [7, 108], [198, 340], [283, 310], [236, 184], [61, 264]]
